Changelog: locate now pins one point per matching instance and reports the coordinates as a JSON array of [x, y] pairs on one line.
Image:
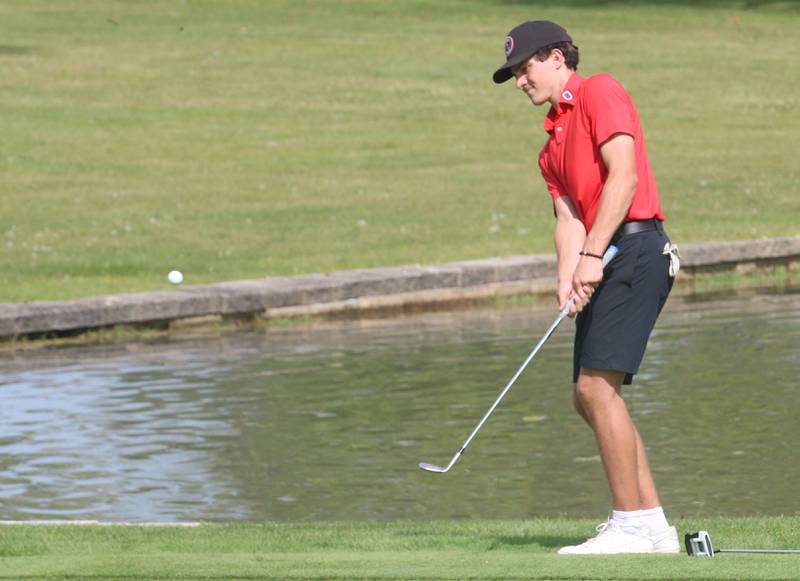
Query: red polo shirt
[[590, 112]]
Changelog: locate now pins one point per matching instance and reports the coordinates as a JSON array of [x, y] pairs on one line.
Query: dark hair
[[569, 50]]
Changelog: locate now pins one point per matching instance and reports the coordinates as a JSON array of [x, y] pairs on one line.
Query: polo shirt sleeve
[[608, 108], [553, 186]]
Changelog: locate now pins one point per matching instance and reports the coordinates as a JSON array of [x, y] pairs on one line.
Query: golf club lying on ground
[[699, 545], [609, 254]]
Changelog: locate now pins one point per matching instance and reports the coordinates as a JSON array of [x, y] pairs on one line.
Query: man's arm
[[619, 156], [570, 236]]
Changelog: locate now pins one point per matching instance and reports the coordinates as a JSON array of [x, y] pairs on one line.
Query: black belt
[[636, 226]]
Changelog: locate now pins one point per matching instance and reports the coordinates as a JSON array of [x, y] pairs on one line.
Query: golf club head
[[699, 544], [432, 468], [440, 469]]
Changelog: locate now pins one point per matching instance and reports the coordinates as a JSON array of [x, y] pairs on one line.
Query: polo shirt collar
[[567, 100]]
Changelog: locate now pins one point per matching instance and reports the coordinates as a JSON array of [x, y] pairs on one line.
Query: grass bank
[[243, 139], [440, 550]]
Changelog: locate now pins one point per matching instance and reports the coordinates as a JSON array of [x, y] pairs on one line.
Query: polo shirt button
[[559, 128]]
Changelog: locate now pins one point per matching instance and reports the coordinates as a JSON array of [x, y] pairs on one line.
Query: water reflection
[[328, 422]]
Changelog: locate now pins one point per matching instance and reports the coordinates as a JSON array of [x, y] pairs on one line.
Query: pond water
[[328, 421]]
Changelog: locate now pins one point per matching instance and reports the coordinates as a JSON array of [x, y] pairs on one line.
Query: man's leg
[[599, 395], [647, 494], [638, 523]]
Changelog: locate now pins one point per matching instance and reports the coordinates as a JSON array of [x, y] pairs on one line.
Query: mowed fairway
[[245, 139], [466, 550]]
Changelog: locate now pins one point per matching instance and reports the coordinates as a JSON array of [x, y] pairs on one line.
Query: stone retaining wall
[[353, 291]]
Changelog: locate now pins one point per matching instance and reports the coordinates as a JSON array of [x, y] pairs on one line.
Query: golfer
[[595, 166]]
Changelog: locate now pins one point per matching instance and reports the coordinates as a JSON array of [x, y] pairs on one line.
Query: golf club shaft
[[757, 551], [513, 380], [609, 254]]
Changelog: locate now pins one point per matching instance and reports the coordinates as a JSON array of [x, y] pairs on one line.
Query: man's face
[[534, 78]]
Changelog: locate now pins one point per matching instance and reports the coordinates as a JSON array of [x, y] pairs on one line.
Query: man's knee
[[596, 389]]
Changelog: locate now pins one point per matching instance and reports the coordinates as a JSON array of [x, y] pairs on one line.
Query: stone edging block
[[345, 291]]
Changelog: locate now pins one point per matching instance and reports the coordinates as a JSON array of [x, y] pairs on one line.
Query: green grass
[[243, 139], [439, 550]]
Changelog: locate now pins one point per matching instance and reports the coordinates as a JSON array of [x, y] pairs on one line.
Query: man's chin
[[536, 101]]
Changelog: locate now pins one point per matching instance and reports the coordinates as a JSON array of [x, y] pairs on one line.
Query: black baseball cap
[[523, 41]]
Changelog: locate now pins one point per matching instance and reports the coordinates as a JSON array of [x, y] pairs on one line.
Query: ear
[[558, 58]]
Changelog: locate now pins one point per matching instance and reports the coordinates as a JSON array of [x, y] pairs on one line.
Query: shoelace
[[609, 526], [604, 526]]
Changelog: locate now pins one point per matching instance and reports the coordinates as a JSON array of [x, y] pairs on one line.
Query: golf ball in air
[[175, 277]]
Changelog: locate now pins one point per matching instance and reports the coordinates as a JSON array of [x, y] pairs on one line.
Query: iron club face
[[432, 468], [440, 469]]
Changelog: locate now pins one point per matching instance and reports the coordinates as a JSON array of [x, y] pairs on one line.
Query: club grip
[[608, 256], [611, 251]]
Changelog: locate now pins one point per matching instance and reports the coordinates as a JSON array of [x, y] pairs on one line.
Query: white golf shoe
[[613, 540], [666, 541]]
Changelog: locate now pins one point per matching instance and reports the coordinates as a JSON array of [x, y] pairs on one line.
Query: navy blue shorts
[[611, 333]]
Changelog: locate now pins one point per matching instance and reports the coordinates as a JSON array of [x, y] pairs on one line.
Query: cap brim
[[501, 75], [504, 73]]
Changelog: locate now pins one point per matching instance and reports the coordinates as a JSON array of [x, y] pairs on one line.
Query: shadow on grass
[[546, 542]]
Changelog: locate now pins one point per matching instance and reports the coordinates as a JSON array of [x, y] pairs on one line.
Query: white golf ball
[[175, 277]]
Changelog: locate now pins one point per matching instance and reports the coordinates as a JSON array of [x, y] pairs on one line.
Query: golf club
[[609, 254], [699, 545]]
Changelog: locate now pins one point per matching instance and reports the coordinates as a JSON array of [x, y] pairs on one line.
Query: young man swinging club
[[595, 166]]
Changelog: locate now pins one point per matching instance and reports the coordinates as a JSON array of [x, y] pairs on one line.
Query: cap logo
[[509, 45], [567, 96]]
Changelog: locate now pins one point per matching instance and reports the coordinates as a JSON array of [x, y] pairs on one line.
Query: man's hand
[[588, 275], [564, 294]]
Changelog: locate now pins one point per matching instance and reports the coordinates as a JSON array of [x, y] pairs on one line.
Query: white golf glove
[[674, 258]]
